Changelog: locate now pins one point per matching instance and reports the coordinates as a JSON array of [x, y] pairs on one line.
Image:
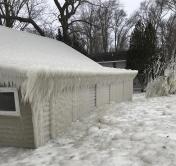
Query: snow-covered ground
[[138, 133]]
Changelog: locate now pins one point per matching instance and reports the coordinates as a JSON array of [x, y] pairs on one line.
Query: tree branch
[[84, 21], [25, 20], [58, 5]]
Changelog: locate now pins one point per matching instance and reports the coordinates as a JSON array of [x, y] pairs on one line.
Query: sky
[[129, 5]]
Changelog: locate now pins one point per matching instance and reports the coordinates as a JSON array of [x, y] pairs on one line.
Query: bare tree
[[171, 4], [153, 12], [170, 38], [106, 20], [92, 31], [66, 11], [105, 14], [118, 27], [23, 11]]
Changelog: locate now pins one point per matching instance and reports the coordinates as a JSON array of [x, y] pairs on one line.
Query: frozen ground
[[138, 133]]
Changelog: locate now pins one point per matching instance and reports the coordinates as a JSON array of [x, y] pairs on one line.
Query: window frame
[[16, 98]]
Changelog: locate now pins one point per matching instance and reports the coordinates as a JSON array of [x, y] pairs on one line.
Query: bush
[[172, 83], [162, 86], [158, 87]]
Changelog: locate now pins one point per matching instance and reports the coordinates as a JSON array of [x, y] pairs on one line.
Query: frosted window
[[7, 101]]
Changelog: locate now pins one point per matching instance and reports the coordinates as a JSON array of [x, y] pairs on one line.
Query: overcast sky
[[129, 5]]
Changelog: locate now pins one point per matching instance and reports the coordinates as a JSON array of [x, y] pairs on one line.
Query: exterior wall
[[116, 92], [85, 102], [121, 90], [46, 125], [33, 129], [71, 105], [92, 100], [61, 113], [17, 131], [122, 65], [127, 90], [102, 95], [41, 122], [74, 104]]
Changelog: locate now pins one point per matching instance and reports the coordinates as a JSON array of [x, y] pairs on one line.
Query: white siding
[[92, 97], [70, 106], [83, 102], [46, 123], [74, 104], [102, 95], [128, 90], [17, 131], [116, 92], [61, 112]]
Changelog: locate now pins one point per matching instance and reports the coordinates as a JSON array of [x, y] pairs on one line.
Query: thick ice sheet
[[138, 133], [23, 51], [27, 51]]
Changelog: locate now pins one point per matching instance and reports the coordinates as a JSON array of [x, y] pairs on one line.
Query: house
[[111, 59], [121, 64], [46, 85]]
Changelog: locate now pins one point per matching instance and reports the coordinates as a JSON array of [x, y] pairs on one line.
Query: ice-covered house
[[45, 85]]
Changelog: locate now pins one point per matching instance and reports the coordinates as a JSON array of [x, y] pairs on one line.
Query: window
[[9, 102]]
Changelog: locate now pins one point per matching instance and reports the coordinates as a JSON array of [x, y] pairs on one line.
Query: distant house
[[46, 85], [121, 64], [112, 59]]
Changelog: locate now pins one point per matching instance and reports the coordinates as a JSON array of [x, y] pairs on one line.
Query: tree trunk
[[115, 34], [64, 23], [7, 12]]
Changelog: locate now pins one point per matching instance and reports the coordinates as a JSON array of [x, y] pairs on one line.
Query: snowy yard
[[138, 133]]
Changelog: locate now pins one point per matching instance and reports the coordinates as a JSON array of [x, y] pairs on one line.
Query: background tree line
[[153, 41], [102, 26], [89, 26]]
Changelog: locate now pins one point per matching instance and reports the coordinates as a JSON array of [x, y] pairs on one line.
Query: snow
[[27, 52], [138, 133], [26, 59], [42, 68]]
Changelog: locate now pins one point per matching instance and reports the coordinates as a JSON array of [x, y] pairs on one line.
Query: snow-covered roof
[[30, 52], [41, 66]]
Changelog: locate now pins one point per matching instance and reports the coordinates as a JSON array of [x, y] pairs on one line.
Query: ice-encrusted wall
[[116, 91], [59, 98], [69, 106]]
